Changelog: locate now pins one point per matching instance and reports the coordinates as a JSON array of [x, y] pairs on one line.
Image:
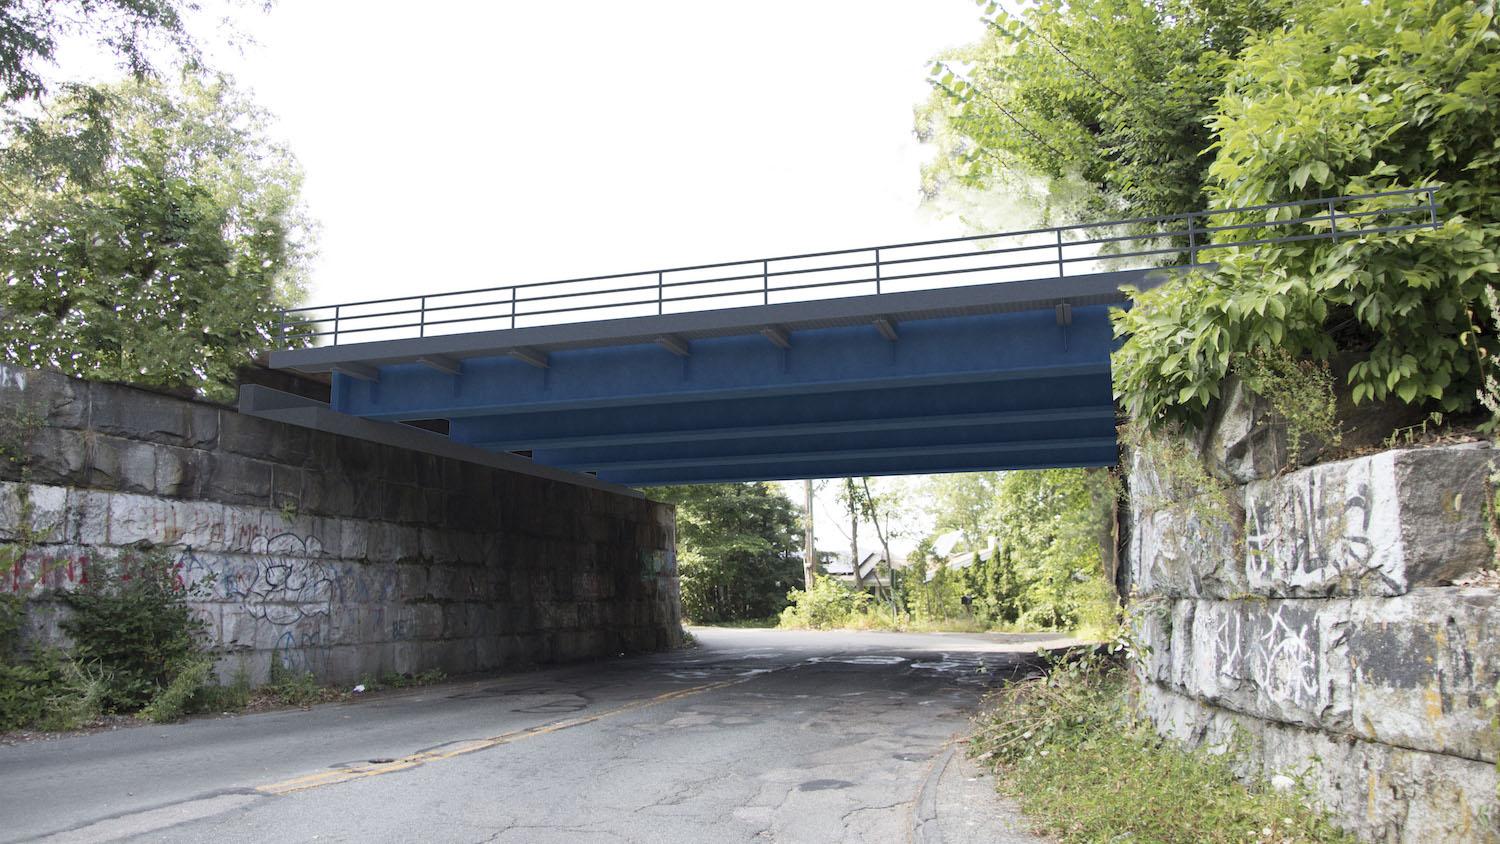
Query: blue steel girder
[[961, 393], [984, 348]]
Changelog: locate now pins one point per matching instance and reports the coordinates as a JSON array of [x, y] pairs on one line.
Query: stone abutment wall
[[1331, 620], [341, 556]]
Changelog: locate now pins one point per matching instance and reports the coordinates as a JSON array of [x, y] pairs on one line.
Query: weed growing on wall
[[19, 425], [1179, 476], [1301, 394]]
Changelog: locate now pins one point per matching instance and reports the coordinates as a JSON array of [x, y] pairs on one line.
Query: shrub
[[132, 618], [77, 696], [828, 604], [295, 688], [180, 694]]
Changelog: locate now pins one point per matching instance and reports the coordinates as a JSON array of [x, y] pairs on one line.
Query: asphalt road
[[754, 735]]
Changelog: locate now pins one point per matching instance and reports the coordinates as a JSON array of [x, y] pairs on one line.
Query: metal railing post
[[1389, 214]]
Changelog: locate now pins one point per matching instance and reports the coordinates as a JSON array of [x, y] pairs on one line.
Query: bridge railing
[[1182, 240]]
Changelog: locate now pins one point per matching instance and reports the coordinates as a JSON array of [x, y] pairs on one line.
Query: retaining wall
[[342, 556], [1338, 617]]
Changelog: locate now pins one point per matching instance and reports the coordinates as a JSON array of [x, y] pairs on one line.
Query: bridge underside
[[1001, 376]]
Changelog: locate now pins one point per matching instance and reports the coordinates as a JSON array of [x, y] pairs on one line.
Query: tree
[[738, 549], [31, 30], [1048, 566], [1113, 93], [964, 502], [167, 265], [1357, 96]]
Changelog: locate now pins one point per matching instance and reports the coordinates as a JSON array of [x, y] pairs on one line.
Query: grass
[[1086, 769], [739, 623]]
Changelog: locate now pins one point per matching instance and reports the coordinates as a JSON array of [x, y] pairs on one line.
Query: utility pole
[[809, 547]]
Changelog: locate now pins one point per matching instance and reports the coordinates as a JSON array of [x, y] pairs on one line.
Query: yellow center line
[[354, 772]]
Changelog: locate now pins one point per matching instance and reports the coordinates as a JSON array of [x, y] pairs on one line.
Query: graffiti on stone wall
[[1275, 651], [1309, 534]]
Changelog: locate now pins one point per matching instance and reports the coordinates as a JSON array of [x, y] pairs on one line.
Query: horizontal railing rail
[[1025, 255]]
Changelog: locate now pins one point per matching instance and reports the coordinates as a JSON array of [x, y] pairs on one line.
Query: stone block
[[235, 480], [33, 513], [412, 582], [263, 439], [143, 519], [61, 400], [88, 517], [58, 456], [394, 543], [1182, 550], [115, 463], [142, 415], [178, 470], [1379, 792], [286, 490], [1412, 671], [1422, 667], [1376, 525], [354, 539]]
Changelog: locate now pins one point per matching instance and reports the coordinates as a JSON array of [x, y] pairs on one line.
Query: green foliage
[[51, 692], [1047, 570], [1084, 767], [938, 598], [1488, 393], [394, 680], [77, 697], [829, 604], [223, 697], [24, 690], [165, 265], [176, 698], [1301, 394], [132, 618], [1354, 97], [738, 549], [132, 30], [1115, 93], [296, 688], [964, 502]]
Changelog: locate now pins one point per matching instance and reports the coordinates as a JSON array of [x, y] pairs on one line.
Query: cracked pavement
[[754, 735]]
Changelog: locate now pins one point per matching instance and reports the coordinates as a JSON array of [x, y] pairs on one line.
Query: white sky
[[454, 145], [450, 145]]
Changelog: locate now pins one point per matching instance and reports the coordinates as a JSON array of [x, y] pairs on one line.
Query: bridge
[[962, 354]]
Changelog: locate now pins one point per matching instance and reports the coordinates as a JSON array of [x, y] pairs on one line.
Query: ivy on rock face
[[1358, 97]]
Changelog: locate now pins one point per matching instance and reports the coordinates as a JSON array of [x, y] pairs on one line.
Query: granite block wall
[[1342, 617], [340, 556]]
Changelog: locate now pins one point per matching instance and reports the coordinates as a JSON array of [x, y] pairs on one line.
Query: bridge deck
[[1012, 372]]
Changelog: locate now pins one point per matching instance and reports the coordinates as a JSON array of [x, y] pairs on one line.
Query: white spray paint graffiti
[[1322, 528]]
